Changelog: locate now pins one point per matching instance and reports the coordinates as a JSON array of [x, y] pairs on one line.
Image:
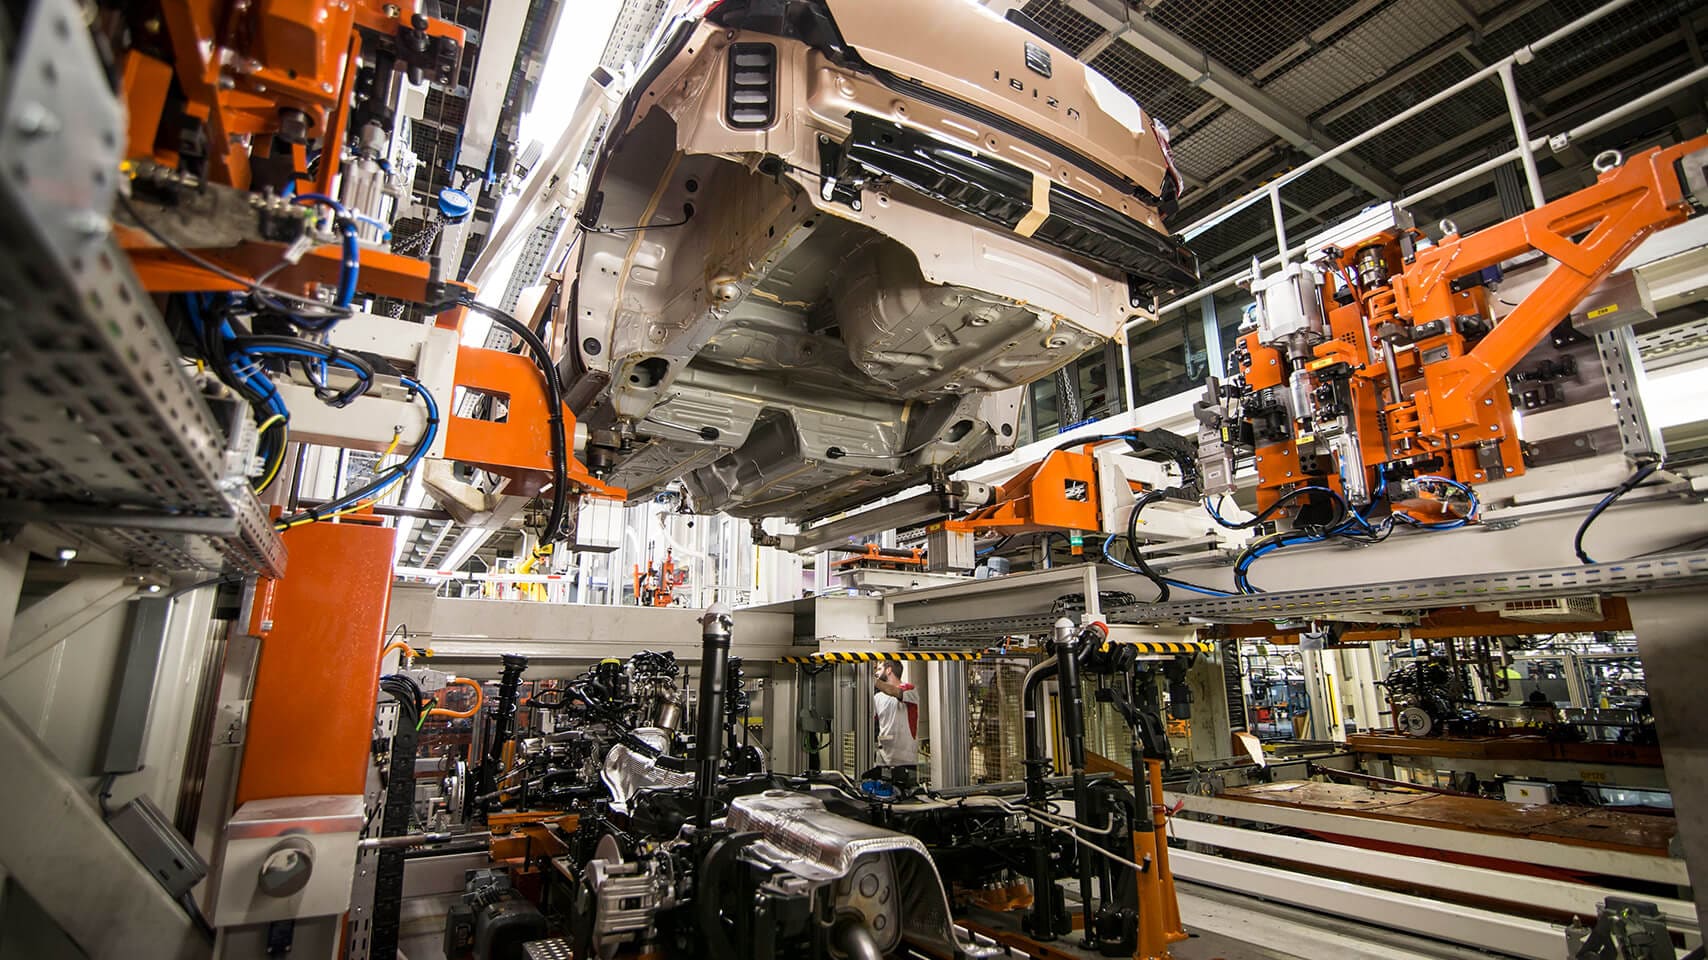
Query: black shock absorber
[[714, 674], [503, 725]]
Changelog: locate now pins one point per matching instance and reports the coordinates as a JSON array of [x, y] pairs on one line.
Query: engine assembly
[[645, 836]]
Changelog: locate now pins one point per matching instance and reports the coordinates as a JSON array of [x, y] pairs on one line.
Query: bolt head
[[88, 223], [35, 120]]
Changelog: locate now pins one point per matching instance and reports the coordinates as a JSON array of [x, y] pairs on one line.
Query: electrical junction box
[[288, 858], [156, 843], [599, 525], [1529, 791]]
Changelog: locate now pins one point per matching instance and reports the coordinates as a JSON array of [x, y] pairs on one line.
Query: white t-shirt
[[895, 728]]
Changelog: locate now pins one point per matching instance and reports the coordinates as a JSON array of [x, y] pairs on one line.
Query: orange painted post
[[1153, 916], [321, 626], [1171, 926]]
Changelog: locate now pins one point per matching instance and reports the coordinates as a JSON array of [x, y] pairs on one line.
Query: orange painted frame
[[1625, 206], [520, 447], [164, 271], [1035, 499], [249, 102], [311, 716]]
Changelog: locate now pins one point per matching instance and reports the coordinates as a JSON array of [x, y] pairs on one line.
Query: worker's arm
[[884, 686]]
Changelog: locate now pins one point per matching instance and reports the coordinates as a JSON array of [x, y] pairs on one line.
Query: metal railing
[[1524, 152]]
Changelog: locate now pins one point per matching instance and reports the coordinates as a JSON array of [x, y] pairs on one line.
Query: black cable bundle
[[408, 696], [1647, 465], [554, 530], [1145, 499]]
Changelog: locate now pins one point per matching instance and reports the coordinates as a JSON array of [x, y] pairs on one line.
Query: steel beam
[[1484, 929], [1481, 882], [57, 616], [1135, 27], [474, 633], [1669, 638], [902, 513], [57, 847], [1614, 863], [1427, 593]]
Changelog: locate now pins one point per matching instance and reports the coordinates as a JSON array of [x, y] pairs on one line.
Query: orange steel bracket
[[239, 65], [520, 447], [383, 274], [1625, 206], [146, 82], [1058, 492]]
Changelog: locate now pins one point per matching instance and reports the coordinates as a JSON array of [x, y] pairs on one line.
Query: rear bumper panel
[[1002, 193]]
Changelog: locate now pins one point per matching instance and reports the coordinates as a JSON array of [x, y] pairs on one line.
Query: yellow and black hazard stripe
[[873, 656], [1164, 646]]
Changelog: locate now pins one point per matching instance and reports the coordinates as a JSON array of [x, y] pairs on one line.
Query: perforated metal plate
[[95, 417], [548, 950]]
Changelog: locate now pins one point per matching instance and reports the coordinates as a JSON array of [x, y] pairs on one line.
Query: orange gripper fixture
[[520, 447]]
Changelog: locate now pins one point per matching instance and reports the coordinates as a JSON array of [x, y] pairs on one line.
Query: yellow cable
[[279, 462], [396, 438], [397, 435]]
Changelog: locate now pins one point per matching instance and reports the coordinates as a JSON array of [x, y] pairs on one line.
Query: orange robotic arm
[[1387, 353], [1624, 207]]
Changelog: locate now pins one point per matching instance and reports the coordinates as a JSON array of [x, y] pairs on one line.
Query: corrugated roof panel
[[1361, 55], [1233, 233], [1589, 49], [1319, 187]]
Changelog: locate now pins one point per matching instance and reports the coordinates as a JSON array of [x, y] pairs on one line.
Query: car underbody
[[798, 291]]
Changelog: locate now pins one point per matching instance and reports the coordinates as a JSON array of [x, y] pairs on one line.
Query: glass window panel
[[1169, 356]]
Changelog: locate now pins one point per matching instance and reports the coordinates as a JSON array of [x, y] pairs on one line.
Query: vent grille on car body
[[751, 98]]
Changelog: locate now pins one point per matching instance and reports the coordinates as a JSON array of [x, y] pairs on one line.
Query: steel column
[[948, 723], [14, 560], [1669, 638], [57, 847], [1126, 351], [145, 642], [1521, 131], [1213, 356]]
